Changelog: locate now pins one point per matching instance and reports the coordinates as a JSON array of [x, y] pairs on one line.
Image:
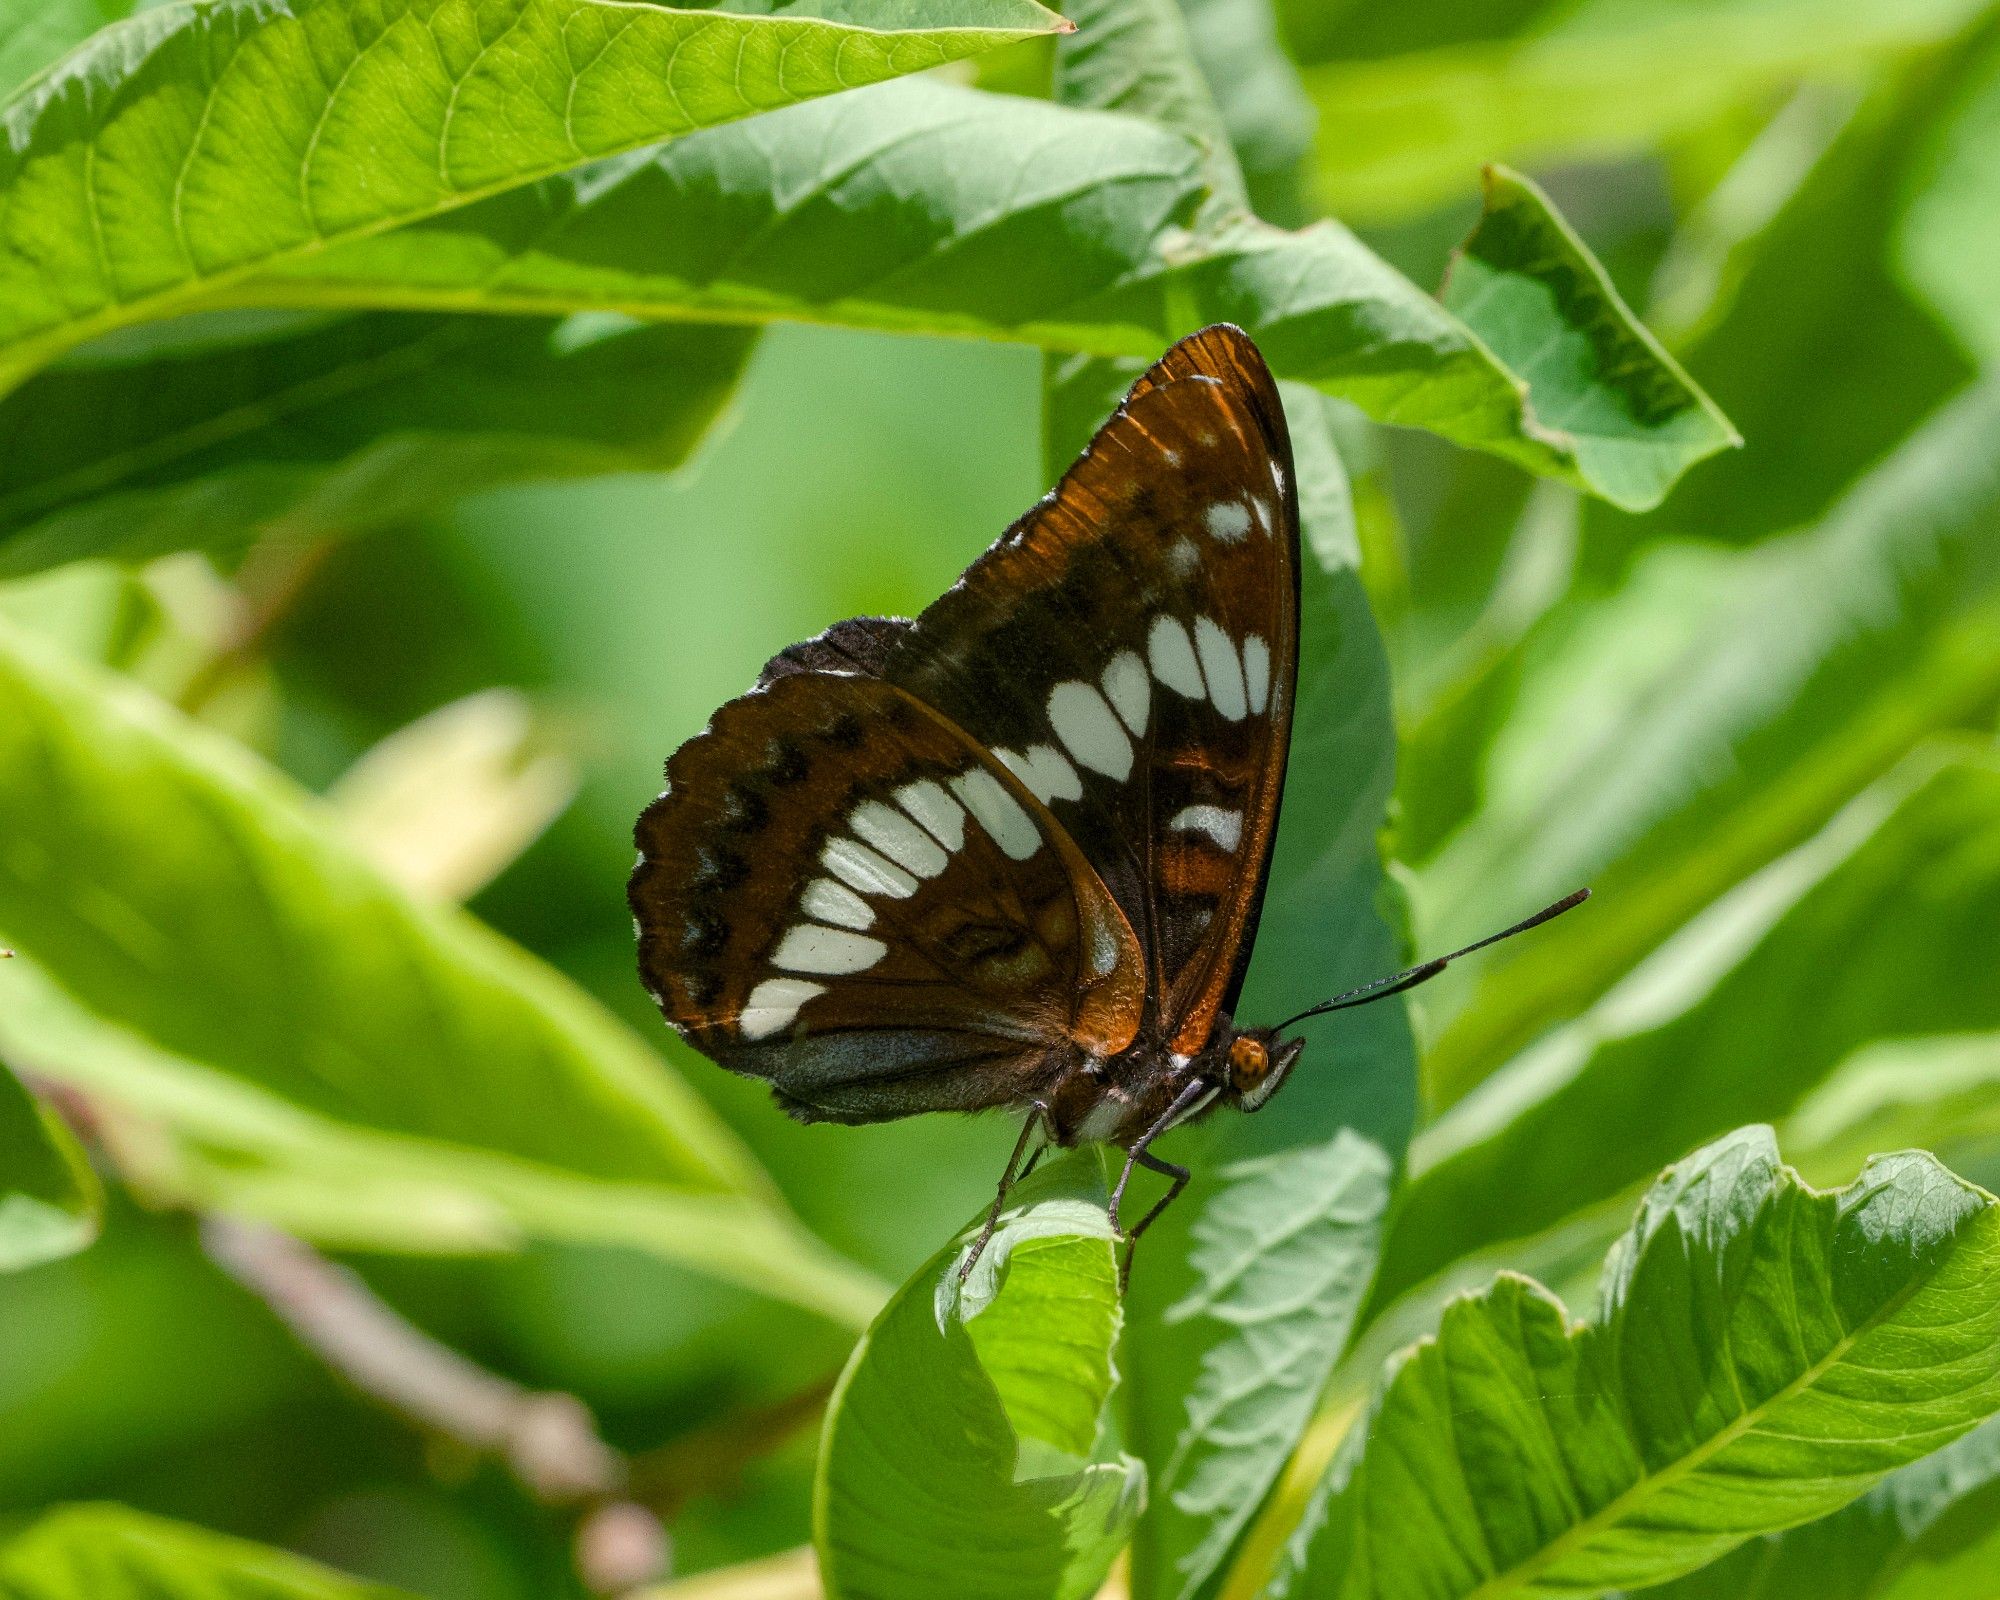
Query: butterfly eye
[[1249, 1064], [1256, 1069]]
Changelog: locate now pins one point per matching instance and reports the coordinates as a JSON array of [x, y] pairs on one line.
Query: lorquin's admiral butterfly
[[1012, 853]]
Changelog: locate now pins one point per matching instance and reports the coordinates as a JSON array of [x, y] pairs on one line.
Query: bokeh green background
[[859, 473]]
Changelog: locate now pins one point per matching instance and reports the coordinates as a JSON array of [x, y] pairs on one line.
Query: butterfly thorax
[[1117, 1099]]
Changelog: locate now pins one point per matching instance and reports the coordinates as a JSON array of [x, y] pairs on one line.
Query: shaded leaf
[[278, 1030], [106, 1552], [51, 1203], [962, 1452], [199, 434], [34, 33], [1824, 262], [182, 149], [1675, 739], [1281, 1254], [1401, 133], [1891, 897], [1262, 104], [1953, 184], [1761, 1352]]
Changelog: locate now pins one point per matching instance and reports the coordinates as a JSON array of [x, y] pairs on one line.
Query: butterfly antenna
[[1409, 978]]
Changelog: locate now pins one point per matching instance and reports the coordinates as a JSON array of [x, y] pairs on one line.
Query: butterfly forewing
[[1129, 649], [842, 892]]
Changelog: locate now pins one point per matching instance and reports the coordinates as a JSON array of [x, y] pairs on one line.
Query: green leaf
[[1527, 286], [180, 151], [1949, 203], [242, 421], [963, 1451], [1760, 1354], [1893, 896], [1137, 56], [51, 1203], [1938, 1092], [1928, 1531], [920, 207], [34, 33], [1402, 133], [106, 1552], [1670, 742], [1259, 98], [1823, 262], [1281, 1254], [278, 1030]]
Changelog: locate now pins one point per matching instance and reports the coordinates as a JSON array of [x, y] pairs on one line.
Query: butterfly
[[1012, 853]]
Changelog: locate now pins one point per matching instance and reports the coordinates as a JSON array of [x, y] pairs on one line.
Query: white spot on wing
[[943, 816], [1129, 690], [1083, 720], [1278, 475], [774, 1005], [1220, 666], [1224, 827], [862, 870], [999, 813], [1045, 773], [1183, 557], [1171, 653], [1265, 519], [898, 838], [1228, 521], [828, 901], [1257, 673], [807, 947]]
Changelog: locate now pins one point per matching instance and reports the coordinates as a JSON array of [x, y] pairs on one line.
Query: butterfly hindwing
[[842, 893], [1129, 649]]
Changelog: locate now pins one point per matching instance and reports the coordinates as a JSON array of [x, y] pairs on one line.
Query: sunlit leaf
[[1929, 1531], [1760, 1354], [925, 208], [1527, 286], [187, 147], [106, 1552], [444, 804], [963, 1451], [281, 1031], [50, 1200]]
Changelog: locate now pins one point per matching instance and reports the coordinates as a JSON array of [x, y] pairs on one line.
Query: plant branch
[[549, 1440]]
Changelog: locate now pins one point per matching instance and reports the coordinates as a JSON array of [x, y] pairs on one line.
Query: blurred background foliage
[[1757, 716]]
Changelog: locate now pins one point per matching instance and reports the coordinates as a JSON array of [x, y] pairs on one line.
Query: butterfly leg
[[1139, 1155], [1180, 1176], [1037, 1118]]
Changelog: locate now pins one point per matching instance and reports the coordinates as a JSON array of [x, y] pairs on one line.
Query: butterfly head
[[1257, 1061]]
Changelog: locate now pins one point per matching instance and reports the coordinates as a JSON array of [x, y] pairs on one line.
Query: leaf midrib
[[23, 353], [1579, 1534]]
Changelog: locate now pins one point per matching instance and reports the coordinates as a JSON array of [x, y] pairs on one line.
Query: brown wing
[[1130, 649], [842, 893]]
